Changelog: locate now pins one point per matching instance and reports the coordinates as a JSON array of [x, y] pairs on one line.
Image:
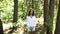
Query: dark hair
[[30, 11]]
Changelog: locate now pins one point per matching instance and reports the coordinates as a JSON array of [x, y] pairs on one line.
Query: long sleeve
[[27, 21], [35, 21]]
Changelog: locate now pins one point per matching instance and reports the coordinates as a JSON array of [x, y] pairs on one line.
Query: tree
[[32, 3], [48, 15], [1, 27], [57, 30], [15, 15], [51, 15], [46, 11], [56, 3]]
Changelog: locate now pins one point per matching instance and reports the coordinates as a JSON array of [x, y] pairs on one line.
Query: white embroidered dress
[[31, 22]]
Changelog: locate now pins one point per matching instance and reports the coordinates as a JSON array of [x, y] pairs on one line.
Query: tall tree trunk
[[51, 9], [46, 11], [57, 31], [51, 15], [32, 3], [56, 3], [1, 27], [15, 15]]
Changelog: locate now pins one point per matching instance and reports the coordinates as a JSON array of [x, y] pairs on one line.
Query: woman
[[31, 20]]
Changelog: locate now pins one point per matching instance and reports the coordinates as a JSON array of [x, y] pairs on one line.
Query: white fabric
[[31, 22], [32, 29]]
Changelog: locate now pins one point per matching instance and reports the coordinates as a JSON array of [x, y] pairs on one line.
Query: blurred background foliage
[[7, 9]]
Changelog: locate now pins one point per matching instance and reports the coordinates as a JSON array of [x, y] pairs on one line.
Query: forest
[[13, 16]]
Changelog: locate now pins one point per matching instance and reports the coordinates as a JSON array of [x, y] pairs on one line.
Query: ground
[[22, 29]]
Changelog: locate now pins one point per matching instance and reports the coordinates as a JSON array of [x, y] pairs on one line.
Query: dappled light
[[17, 16]]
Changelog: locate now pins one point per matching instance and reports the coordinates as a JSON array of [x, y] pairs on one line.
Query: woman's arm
[[35, 21], [27, 21]]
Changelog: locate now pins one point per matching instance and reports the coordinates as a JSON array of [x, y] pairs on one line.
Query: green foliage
[[38, 8], [48, 23], [6, 8], [22, 10]]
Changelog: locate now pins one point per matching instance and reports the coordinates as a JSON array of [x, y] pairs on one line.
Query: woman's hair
[[30, 12]]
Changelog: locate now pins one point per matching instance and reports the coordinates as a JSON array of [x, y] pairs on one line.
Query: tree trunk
[[1, 27], [32, 3], [46, 11], [15, 15], [51, 9], [51, 15], [57, 31]]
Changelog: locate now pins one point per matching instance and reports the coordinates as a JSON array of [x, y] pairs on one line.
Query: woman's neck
[[31, 16]]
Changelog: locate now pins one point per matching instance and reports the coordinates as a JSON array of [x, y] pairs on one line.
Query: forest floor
[[20, 30]]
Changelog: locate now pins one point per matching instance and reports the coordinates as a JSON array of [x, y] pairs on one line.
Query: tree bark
[[57, 30], [51, 15], [32, 3], [1, 27], [46, 11], [15, 15]]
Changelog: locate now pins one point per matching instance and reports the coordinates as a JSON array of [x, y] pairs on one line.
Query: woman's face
[[31, 12]]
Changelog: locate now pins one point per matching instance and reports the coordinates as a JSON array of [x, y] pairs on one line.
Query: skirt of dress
[[31, 29]]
